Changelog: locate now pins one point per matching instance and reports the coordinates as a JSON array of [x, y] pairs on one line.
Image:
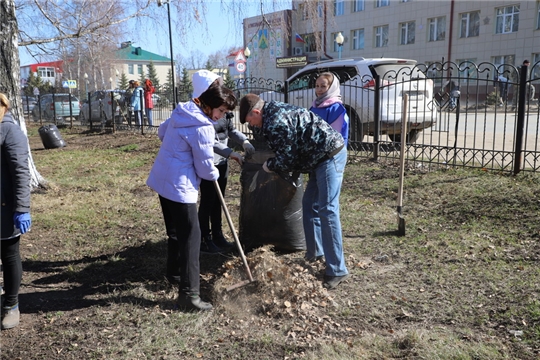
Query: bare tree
[[46, 26]]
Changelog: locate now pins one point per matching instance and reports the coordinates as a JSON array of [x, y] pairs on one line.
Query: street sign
[[291, 61], [72, 84], [240, 67], [240, 57]]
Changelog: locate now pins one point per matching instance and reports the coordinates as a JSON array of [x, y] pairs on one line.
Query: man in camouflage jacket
[[303, 142]]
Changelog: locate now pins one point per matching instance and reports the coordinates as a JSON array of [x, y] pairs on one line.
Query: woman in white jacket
[[185, 157]]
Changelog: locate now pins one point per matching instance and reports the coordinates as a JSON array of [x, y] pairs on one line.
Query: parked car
[[160, 101], [397, 77], [28, 103], [104, 105], [56, 107]]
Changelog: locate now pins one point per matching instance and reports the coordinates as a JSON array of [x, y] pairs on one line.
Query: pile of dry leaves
[[285, 287]]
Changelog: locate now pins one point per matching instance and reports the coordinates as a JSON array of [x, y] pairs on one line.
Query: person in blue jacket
[[137, 101], [305, 143], [185, 157], [15, 213]]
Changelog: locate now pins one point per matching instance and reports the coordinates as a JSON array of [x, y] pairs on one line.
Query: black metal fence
[[470, 115]]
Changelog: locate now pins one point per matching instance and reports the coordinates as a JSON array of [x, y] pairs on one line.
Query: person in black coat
[[212, 238], [15, 213]]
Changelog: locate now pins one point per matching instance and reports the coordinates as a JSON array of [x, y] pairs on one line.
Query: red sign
[[240, 66]]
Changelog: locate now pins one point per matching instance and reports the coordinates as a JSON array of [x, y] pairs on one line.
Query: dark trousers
[[210, 206], [183, 243], [12, 269]]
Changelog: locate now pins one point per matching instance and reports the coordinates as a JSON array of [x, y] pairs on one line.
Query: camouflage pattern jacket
[[299, 138]]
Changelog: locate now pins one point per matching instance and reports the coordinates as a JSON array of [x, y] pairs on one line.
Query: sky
[[223, 32]]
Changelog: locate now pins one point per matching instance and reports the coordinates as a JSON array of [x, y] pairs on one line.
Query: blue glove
[[22, 221]]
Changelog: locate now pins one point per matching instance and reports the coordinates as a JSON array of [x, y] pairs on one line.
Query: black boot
[[192, 303], [221, 242], [209, 247]]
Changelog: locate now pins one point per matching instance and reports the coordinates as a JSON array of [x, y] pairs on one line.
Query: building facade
[[133, 61], [499, 32], [50, 72]]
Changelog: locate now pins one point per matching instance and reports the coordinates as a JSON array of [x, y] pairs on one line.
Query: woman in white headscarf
[[328, 104]]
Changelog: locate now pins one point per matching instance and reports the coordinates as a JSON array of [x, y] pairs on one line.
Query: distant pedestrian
[[137, 101], [149, 91], [503, 89], [15, 213]]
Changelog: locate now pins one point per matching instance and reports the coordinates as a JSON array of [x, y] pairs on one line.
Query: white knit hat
[[202, 79]]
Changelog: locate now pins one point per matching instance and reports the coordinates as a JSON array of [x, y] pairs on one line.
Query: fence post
[[141, 111], [376, 113], [520, 124], [113, 108], [89, 110], [286, 92], [70, 111]]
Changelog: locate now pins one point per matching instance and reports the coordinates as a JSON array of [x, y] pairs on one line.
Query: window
[[339, 7], [434, 70], [437, 28], [130, 69], [504, 64], [507, 19], [357, 37], [358, 5], [320, 8], [407, 31], [381, 36], [46, 72], [307, 9], [140, 69], [535, 70], [467, 69], [470, 24], [538, 15], [310, 42], [381, 3], [303, 8]]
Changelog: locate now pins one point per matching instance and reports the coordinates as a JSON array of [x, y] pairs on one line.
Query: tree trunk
[[10, 74]]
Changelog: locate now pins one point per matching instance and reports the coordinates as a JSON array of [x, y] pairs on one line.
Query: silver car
[[56, 107], [104, 105]]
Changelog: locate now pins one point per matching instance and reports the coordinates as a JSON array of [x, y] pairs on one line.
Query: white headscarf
[[332, 92]]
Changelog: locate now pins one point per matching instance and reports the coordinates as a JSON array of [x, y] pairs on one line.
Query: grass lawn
[[464, 283]]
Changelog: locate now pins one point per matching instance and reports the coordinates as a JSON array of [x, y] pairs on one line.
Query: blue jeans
[[149, 117], [320, 209]]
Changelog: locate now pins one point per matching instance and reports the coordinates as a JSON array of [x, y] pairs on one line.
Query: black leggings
[[210, 206], [12, 269], [184, 243]]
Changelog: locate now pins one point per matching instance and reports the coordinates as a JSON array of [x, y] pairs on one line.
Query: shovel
[[236, 240], [404, 117]]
